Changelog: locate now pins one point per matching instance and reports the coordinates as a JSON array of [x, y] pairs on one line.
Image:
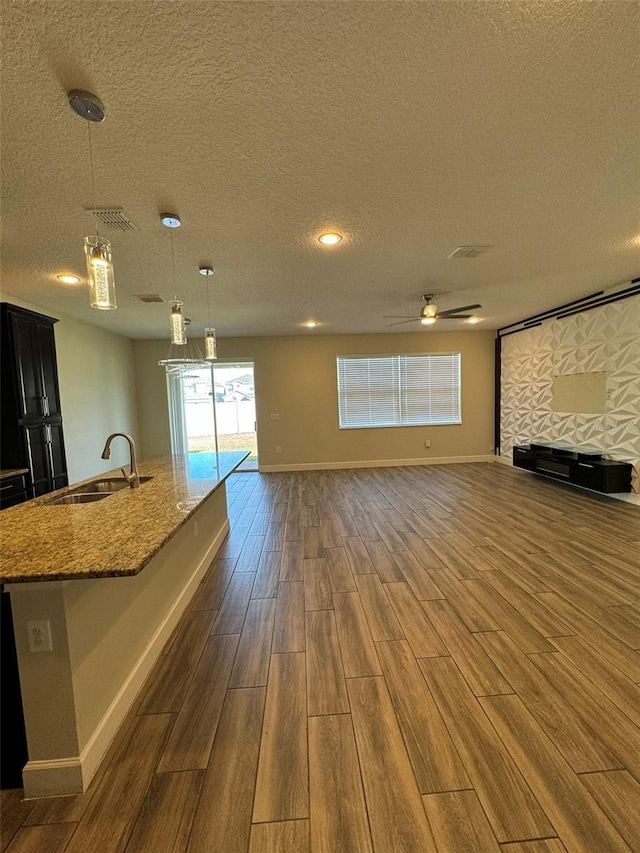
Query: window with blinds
[[398, 390]]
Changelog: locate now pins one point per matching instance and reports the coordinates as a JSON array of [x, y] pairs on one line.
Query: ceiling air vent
[[113, 218], [149, 297], [469, 252]]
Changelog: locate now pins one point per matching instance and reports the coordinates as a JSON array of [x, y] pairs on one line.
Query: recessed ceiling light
[[473, 319], [68, 279], [311, 324], [331, 238]]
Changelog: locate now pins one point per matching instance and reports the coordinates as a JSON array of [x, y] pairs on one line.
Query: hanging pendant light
[[102, 286], [176, 319], [97, 250], [210, 345], [184, 354], [178, 326]]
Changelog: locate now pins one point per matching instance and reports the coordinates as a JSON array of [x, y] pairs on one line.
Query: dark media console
[[586, 469]]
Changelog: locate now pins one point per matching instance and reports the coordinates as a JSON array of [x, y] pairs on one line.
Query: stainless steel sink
[[106, 486], [96, 490], [79, 498]]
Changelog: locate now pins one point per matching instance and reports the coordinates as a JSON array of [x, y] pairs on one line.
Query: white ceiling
[[411, 127]]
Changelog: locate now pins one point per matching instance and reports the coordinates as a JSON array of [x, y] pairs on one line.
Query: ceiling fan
[[430, 313]]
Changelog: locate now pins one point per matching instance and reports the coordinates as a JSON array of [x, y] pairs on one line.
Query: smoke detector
[[170, 220], [86, 105]]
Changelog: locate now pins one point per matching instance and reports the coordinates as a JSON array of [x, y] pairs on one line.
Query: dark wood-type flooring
[[396, 660]]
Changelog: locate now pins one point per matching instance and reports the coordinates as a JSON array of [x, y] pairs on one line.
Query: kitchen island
[[105, 584]]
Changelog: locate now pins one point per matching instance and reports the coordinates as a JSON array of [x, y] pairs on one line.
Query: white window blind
[[398, 390]]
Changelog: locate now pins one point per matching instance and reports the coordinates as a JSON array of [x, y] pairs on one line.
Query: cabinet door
[[45, 446], [37, 443], [27, 350], [49, 371], [13, 741], [57, 459]]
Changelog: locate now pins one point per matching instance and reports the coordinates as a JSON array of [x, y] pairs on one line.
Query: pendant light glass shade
[[178, 328], [210, 346], [102, 286]]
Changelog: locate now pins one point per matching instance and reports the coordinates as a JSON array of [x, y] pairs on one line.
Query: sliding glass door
[[214, 409]]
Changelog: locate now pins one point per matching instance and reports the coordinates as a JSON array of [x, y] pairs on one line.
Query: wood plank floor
[[396, 660]]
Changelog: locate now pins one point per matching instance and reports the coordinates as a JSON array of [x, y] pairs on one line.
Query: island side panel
[[46, 686], [111, 631]]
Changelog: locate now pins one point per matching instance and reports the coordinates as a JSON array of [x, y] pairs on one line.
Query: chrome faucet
[[133, 478]]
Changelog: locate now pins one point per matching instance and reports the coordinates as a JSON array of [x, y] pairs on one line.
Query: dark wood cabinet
[[31, 430], [13, 739], [14, 490], [46, 459], [37, 377]]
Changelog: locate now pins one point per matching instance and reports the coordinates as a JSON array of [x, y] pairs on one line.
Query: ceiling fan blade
[[398, 317], [454, 317], [402, 322], [457, 310]]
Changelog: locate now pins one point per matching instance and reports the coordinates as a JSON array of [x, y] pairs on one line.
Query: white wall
[[97, 392], [602, 339]]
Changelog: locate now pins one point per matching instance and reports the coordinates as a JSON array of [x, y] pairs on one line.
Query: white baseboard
[[506, 460], [48, 778], [64, 776], [375, 463]]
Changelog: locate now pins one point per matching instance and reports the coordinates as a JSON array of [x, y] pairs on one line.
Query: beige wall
[[153, 412], [296, 378], [97, 392]]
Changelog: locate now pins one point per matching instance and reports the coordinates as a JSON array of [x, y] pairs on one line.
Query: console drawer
[[603, 476]]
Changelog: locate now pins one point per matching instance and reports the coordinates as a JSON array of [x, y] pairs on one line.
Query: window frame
[[399, 391]]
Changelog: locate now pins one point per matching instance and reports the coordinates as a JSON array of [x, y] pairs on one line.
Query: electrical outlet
[[275, 416], [39, 632], [427, 443], [278, 449]]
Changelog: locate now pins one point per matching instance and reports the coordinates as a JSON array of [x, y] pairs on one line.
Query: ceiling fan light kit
[[429, 310], [430, 314]]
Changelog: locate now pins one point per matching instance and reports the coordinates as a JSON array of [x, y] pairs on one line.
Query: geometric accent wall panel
[[603, 339]]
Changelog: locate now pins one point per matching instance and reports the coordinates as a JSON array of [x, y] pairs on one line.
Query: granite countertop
[[12, 472], [113, 537]]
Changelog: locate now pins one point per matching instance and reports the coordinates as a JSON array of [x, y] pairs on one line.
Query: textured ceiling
[[413, 128]]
